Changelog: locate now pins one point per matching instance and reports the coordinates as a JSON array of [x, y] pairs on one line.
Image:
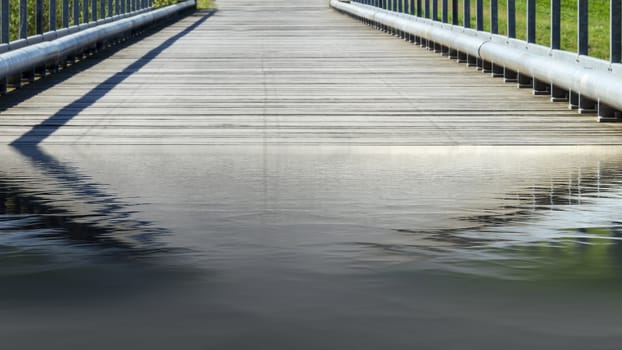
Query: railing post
[[555, 24], [531, 21], [65, 14], [467, 13], [479, 15], [511, 19], [76, 12], [94, 10], [419, 12], [454, 12], [426, 5], [23, 19], [85, 11], [102, 8], [616, 32], [110, 12], [435, 10], [494, 16], [444, 6], [4, 12], [39, 16], [400, 5], [52, 15], [582, 35], [411, 7]]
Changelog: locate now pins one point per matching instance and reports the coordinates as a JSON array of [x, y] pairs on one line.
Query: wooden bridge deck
[[285, 71]]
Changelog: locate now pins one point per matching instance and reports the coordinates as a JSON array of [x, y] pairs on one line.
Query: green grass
[[14, 13], [206, 4], [598, 22]]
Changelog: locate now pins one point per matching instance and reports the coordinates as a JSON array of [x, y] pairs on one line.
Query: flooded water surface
[[309, 247]]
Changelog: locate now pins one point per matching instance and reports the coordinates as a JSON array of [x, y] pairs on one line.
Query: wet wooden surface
[[285, 71]]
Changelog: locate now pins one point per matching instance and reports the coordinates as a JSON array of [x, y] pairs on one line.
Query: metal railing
[[487, 14], [587, 83], [37, 55], [20, 19]]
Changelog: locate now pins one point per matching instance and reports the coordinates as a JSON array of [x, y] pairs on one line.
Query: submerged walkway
[[286, 71]]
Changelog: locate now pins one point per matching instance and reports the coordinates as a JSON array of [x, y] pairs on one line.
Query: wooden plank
[[286, 71]]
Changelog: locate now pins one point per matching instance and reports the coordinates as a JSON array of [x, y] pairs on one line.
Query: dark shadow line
[[45, 129]]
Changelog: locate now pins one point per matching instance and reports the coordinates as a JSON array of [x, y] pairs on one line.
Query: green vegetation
[[14, 13], [163, 3], [598, 22], [206, 4]]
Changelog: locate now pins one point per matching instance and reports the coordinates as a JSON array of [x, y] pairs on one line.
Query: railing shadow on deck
[[46, 128]]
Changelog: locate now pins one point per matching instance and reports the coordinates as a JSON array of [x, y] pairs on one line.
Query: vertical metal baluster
[[76, 12], [582, 30], [39, 16], [435, 10], [444, 9], [555, 24], [85, 11], [110, 12], [52, 15], [400, 4], [411, 7], [511, 19], [94, 10], [467, 13], [419, 12], [102, 8], [531, 21], [6, 20], [426, 8], [615, 45], [494, 16], [65, 23], [479, 14], [454, 12], [23, 19]]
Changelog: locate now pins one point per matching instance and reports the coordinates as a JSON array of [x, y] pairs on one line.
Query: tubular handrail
[[587, 83], [50, 18], [57, 49], [423, 10]]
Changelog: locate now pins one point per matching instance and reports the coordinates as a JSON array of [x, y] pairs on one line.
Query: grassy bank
[[598, 22]]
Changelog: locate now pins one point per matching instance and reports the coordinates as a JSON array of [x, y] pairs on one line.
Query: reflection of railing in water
[[97, 217], [511, 242], [586, 83]]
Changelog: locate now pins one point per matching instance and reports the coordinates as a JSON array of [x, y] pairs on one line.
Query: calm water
[[273, 247]]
